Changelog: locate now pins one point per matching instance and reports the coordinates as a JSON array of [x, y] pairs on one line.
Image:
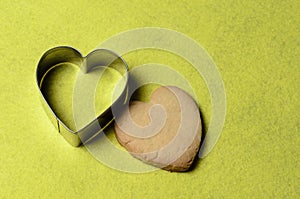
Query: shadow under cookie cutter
[[98, 57]]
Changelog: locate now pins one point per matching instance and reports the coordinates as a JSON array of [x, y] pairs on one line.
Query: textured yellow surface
[[256, 46]]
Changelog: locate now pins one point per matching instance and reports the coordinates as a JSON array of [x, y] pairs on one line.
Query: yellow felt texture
[[256, 46]]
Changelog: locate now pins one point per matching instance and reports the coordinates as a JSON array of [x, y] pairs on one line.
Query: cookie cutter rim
[[98, 57]]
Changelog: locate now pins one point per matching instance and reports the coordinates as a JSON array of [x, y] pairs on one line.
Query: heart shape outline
[[98, 57]]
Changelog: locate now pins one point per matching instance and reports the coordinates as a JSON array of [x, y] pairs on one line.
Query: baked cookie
[[164, 132]]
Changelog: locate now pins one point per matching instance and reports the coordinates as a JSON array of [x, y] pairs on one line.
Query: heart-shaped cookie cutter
[[98, 57]]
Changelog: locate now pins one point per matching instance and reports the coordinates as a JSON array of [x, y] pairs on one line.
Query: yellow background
[[256, 46]]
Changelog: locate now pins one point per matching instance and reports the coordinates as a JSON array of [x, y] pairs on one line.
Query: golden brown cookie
[[164, 132]]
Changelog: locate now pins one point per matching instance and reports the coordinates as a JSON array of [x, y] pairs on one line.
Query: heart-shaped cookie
[[65, 55], [164, 132]]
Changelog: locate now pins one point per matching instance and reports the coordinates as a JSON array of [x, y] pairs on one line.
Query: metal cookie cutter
[[99, 57]]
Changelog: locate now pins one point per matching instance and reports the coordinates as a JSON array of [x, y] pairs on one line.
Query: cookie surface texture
[[164, 132]]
